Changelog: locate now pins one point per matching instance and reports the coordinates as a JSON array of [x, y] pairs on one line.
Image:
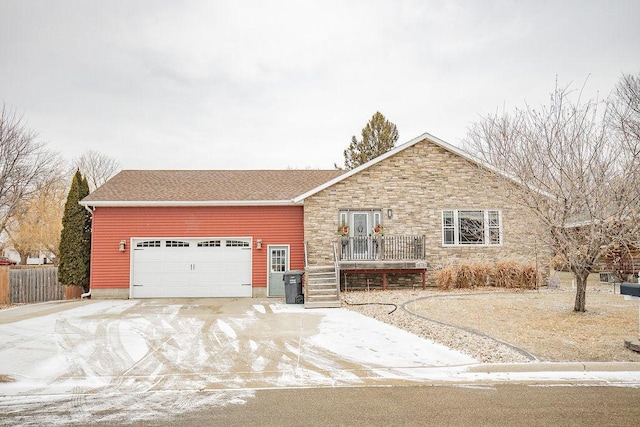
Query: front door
[[278, 264], [360, 234]]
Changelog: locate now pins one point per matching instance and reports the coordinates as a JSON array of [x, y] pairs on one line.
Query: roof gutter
[[184, 203]]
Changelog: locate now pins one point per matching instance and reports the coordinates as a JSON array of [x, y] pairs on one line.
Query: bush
[[483, 274], [445, 278], [505, 274], [464, 276]]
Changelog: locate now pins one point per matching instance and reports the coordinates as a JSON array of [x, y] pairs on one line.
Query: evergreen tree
[[75, 239], [378, 137]]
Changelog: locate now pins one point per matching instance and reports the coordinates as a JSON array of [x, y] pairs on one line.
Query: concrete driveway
[[88, 361], [108, 351]]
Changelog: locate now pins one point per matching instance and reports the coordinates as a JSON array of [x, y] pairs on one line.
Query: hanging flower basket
[[343, 230], [378, 230]]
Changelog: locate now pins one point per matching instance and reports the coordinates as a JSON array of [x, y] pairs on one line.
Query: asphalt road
[[437, 405], [428, 405]]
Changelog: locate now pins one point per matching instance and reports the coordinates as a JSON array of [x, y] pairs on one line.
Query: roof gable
[[388, 154], [206, 187]]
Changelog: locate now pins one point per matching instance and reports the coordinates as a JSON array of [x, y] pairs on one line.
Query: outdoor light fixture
[[389, 213], [259, 244], [122, 245]]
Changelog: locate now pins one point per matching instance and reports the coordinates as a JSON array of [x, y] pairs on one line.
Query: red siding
[[275, 225]]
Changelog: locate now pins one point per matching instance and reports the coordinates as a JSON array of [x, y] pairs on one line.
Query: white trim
[[486, 231], [165, 203], [269, 247]]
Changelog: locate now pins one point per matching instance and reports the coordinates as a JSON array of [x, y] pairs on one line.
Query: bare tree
[[626, 110], [577, 177], [24, 164], [35, 227], [96, 167]]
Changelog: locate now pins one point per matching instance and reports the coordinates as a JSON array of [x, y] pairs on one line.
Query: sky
[[241, 84]]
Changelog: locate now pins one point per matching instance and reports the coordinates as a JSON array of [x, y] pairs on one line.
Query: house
[[437, 206], [187, 233], [422, 205]]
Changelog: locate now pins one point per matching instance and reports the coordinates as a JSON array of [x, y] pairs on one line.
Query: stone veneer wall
[[418, 183]]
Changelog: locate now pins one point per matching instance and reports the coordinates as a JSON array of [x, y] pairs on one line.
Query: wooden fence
[[33, 284]]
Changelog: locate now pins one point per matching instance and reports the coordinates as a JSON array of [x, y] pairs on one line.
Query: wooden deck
[[383, 255], [384, 268]]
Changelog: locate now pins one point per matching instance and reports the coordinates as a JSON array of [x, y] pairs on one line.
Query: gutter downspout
[[87, 294]]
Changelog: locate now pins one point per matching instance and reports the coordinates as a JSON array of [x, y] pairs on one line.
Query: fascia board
[[170, 203]]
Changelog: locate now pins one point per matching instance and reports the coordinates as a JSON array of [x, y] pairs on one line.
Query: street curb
[[557, 367]]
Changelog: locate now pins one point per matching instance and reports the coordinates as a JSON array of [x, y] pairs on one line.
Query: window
[[278, 260], [176, 244], [209, 244], [237, 243], [148, 244], [471, 227]]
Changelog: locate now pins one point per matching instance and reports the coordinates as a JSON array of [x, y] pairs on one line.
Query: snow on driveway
[[79, 359]]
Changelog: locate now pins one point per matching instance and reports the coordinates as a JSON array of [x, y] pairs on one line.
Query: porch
[[371, 255], [383, 255]]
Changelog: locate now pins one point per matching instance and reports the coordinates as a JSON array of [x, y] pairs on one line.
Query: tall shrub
[[75, 239]]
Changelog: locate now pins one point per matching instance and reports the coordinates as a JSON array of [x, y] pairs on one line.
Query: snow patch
[[260, 308], [228, 330]]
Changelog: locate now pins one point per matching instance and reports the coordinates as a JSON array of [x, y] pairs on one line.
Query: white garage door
[[209, 267]]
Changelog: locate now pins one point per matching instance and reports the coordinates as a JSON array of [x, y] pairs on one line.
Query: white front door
[[278, 264]]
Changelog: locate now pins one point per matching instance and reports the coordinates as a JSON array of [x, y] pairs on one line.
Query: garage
[[189, 268]]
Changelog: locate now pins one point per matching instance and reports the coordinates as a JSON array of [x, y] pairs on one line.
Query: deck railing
[[382, 248]]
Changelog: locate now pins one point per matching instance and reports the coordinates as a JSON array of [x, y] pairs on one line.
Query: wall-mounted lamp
[[389, 213], [122, 245], [259, 244]]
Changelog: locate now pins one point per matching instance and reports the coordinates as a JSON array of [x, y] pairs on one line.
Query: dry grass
[[506, 274], [543, 322], [6, 379]]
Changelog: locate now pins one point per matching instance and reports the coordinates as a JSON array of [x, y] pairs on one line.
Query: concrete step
[[322, 304], [320, 267], [322, 288], [322, 292], [322, 285], [321, 273], [321, 279]]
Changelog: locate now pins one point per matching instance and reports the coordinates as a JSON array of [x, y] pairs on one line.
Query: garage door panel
[[210, 267]]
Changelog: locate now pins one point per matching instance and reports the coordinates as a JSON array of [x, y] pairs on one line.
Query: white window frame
[[487, 228]]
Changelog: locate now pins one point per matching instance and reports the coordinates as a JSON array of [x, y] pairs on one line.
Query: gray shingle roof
[[184, 186]]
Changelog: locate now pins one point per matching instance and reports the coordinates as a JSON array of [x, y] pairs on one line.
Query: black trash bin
[[293, 287]]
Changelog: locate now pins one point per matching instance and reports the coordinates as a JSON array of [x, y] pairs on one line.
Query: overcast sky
[[277, 84]]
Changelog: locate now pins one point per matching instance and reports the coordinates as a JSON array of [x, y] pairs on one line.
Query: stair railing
[[336, 264], [306, 274]]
